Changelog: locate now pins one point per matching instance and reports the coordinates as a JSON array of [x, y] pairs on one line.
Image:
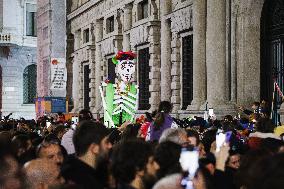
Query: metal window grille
[[29, 84], [144, 80], [272, 56], [187, 71], [86, 87]]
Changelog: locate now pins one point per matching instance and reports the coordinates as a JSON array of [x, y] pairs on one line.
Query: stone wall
[[15, 55], [12, 82], [51, 26], [58, 36], [226, 49], [43, 48], [247, 48]]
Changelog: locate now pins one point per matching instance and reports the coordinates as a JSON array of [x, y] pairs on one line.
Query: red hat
[[121, 55]]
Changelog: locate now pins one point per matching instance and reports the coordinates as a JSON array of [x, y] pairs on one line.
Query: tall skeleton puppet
[[120, 99]]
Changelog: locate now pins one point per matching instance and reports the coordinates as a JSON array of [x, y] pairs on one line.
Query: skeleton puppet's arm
[[105, 105]]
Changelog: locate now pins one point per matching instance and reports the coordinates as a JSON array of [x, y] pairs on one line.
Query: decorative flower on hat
[[107, 80], [121, 55], [125, 62]]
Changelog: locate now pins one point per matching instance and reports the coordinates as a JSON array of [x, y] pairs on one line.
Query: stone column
[[199, 54], [81, 78], [175, 73], [154, 62], [75, 83], [127, 22], [92, 63], [98, 65], [69, 67], [233, 54], [216, 53], [98, 79], [126, 42], [92, 85], [165, 9]]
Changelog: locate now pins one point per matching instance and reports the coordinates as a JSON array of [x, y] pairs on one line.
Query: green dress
[[118, 105]]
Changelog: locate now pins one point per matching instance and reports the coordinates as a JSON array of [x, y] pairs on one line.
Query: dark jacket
[[80, 173], [231, 173], [124, 186], [221, 180]]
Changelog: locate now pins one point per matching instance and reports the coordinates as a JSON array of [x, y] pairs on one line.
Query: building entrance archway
[[272, 52]]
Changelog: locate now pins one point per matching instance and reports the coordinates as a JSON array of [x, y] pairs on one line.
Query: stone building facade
[[51, 27], [18, 58], [194, 53]]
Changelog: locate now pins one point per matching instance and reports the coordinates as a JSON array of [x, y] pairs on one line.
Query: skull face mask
[[125, 62], [125, 69]]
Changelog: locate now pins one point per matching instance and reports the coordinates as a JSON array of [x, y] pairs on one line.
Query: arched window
[[29, 84]]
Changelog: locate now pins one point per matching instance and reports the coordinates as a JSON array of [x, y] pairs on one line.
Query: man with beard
[[89, 142], [133, 164]]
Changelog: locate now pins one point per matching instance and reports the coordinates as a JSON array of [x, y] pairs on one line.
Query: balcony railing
[[5, 38]]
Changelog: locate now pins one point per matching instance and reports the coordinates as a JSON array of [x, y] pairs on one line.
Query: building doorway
[[272, 53]]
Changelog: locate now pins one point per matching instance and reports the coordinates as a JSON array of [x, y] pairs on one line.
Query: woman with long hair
[[161, 121]]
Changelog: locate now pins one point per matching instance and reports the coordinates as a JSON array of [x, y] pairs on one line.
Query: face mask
[[125, 69]]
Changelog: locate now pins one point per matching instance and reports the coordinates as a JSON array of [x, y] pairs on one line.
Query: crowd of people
[[157, 151]]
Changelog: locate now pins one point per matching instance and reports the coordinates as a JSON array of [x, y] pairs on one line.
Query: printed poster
[[58, 75]]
